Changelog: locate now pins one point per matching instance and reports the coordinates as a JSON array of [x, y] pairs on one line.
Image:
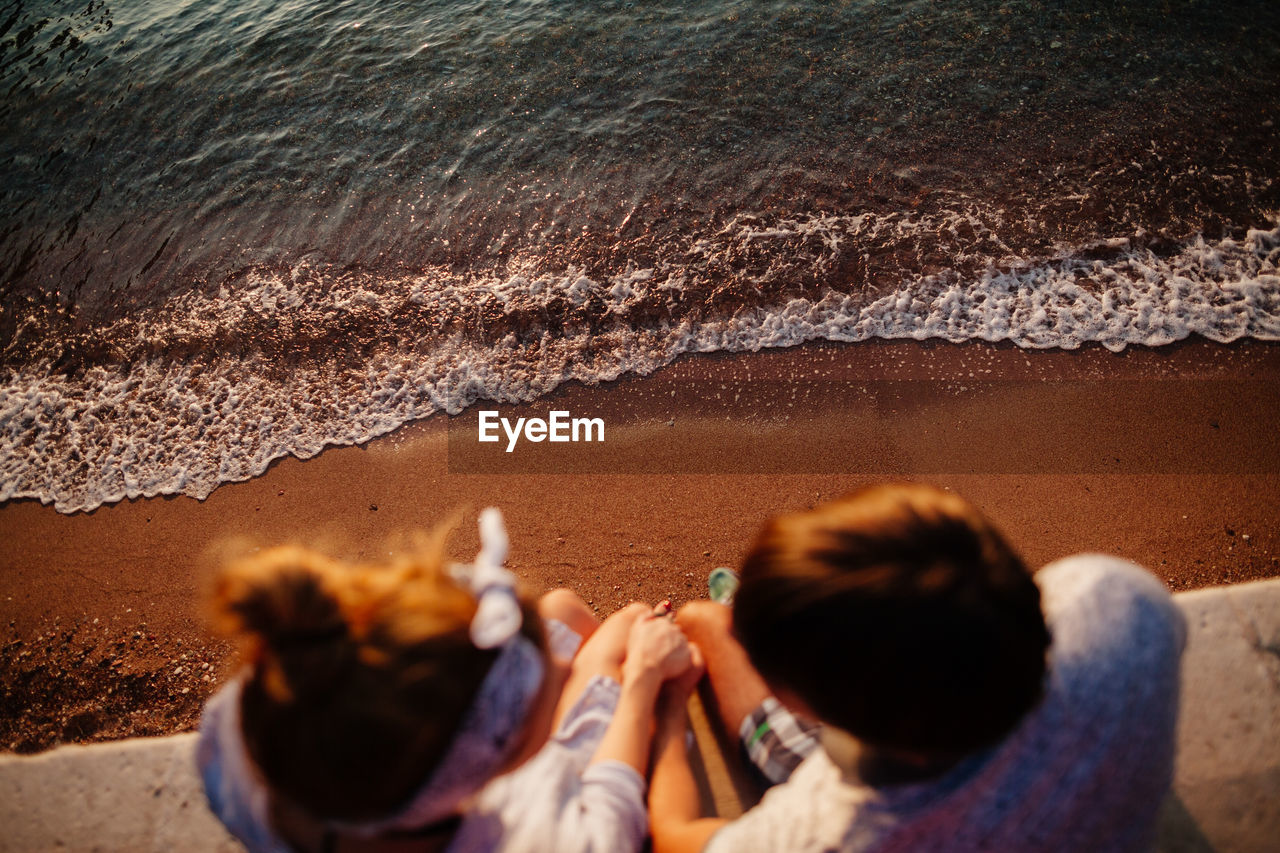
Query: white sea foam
[[165, 427]]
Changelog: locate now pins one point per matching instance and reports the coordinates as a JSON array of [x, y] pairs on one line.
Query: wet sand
[[1167, 457]]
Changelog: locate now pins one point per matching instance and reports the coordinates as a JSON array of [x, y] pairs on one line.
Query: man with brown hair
[[890, 661]]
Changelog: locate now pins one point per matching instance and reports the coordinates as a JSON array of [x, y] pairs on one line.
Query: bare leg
[[737, 686], [602, 653], [565, 606]]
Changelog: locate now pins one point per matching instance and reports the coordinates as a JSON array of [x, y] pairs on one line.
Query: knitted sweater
[[1085, 770]]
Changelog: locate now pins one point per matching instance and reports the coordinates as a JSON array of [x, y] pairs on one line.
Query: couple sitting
[[891, 666]]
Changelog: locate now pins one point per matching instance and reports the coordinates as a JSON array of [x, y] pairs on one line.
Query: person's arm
[[656, 650], [674, 821], [737, 686], [628, 735]]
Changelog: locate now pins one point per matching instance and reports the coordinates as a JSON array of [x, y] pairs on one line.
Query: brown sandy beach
[[1167, 457]]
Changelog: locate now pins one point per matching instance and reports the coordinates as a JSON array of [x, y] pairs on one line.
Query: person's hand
[[676, 692], [656, 647], [683, 685]]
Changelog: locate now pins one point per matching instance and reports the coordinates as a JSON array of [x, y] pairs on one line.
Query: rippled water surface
[[234, 230]]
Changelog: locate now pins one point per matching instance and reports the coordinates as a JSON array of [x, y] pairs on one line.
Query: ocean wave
[[216, 386]]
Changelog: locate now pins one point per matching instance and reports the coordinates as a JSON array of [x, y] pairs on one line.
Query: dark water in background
[[234, 230]]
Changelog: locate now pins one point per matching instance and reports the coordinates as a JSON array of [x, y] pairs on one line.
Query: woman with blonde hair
[[415, 706]]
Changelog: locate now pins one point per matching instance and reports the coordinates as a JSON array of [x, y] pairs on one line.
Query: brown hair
[[358, 675], [898, 614]]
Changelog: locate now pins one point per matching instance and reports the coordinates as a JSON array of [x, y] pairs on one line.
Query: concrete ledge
[[139, 795], [144, 795], [1228, 771]]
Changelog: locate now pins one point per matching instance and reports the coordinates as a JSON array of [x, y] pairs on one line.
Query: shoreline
[[1165, 456]]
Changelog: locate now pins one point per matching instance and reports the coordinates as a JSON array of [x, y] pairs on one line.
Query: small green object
[[722, 584], [757, 734]]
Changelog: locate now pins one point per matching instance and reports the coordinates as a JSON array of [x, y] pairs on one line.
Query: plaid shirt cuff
[[775, 740]]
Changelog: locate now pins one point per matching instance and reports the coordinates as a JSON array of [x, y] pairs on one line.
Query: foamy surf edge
[[164, 428]]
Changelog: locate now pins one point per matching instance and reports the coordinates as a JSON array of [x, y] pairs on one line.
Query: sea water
[[237, 230]]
